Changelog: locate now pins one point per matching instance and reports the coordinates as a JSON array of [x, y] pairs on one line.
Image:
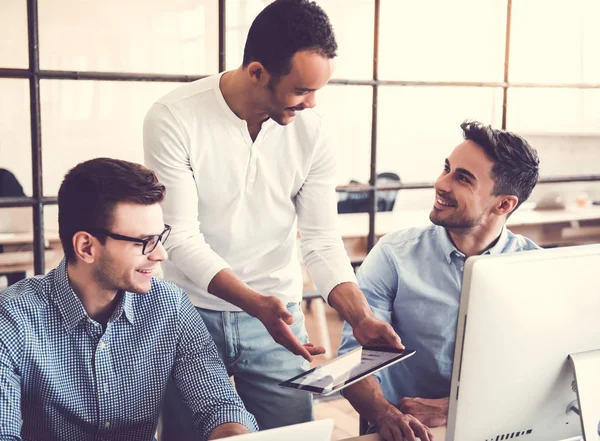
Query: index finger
[[423, 432], [429, 433], [407, 430], [392, 339]]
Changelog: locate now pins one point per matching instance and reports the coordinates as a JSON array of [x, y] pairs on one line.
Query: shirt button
[[102, 345], [107, 424], [462, 268], [106, 387]]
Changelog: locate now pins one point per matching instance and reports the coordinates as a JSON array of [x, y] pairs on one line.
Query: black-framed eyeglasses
[[149, 244]]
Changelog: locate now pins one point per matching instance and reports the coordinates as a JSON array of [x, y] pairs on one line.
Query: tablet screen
[[346, 369]]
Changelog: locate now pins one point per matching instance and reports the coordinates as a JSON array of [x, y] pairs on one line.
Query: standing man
[[246, 162], [83, 354]]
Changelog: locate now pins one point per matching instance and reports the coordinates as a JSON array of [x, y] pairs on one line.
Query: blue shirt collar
[[71, 308], [448, 247]]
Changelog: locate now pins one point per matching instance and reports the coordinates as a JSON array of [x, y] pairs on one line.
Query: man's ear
[[258, 74], [85, 246], [506, 204]]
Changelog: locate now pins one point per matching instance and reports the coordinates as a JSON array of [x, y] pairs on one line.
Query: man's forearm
[[347, 299], [228, 429], [229, 287], [352, 304], [367, 398]]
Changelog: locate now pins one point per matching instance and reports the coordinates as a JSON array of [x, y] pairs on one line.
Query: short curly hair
[[285, 27]]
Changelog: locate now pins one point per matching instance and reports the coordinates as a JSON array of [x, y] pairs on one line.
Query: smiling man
[[247, 164], [412, 279], [86, 351]]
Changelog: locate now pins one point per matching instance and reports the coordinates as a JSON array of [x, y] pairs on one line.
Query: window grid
[[38, 201]]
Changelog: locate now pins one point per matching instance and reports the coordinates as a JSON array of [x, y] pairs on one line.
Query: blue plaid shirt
[[62, 377]]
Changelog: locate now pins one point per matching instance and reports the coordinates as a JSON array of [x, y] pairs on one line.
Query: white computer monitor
[[520, 317]]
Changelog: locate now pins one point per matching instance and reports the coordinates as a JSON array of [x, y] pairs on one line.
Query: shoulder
[[28, 293], [404, 241], [308, 127], [186, 100], [517, 242], [190, 91], [23, 304]]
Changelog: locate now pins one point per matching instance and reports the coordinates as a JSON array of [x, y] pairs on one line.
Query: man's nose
[[159, 253], [442, 183], [310, 100]]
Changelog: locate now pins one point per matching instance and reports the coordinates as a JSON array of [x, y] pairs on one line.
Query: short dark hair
[[516, 164], [285, 27], [91, 190]]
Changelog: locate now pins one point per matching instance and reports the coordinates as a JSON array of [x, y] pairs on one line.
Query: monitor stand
[[587, 379]]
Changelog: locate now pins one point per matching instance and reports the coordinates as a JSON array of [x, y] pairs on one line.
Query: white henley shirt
[[234, 203]]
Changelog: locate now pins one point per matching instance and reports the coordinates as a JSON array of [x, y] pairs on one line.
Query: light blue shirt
[[62, 377], [412, 279]]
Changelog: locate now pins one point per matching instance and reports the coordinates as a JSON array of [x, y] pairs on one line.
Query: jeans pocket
[[298, 327]]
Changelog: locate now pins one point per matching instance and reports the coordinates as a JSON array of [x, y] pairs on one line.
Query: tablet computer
[[347, 369]]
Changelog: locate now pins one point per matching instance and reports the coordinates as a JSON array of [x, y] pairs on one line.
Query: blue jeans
[[257, 364]]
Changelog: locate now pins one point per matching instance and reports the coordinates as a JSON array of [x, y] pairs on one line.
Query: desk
[[570, 226], [17, 253], [22, 261], [439, 434], [9, 239]]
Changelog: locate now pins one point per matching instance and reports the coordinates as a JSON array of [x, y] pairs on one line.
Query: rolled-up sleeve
[[378, 280], [316, 205], [202, 379], [166, 152]]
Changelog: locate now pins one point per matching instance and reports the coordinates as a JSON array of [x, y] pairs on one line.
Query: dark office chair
[[354, 202], [10, 188], [9, 185], [386, 198]]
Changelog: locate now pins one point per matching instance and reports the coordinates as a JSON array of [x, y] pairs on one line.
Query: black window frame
[[34, 74]]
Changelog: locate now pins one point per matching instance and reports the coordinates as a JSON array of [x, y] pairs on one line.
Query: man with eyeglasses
[[86, 350]]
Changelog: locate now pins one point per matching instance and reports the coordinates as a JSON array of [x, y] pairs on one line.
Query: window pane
[[562, 47], [15, 138], [88, 119], [239, 16], [149, 36], [562, 124], [444, 41], [419, 126], [353, 24], [347, 111], [354, 229], [16, 237], [355, 54], [13, 34], [16, 245]]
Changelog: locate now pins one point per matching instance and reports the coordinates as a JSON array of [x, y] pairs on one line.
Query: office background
[[408, 73]]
